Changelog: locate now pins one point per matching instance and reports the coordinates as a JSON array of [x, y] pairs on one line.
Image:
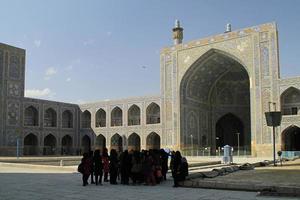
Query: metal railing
[[219, 152]]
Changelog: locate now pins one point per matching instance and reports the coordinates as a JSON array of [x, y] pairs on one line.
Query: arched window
[[50, 118], [290, 101], [31, 117], [153, 114], [86, 119], [100, 118], [67, 119], [134, 115], [116, 117]]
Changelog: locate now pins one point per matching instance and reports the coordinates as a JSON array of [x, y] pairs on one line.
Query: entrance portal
[[229, 131], [215, 85]]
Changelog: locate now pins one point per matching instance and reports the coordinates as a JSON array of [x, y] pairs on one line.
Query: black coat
[[98, 165]]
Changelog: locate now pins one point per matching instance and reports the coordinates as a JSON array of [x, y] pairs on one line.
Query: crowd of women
[[136, 167]]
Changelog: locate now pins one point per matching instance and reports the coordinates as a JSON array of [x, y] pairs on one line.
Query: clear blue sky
[[80, 51]]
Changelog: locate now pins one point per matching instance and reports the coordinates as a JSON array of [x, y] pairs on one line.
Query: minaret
[[177, 33]]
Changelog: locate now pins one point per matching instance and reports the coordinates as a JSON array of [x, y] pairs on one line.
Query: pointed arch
[[50, 118], [50, 145], [67, 145], [134, 142], [290, 138], [85, 144], [134, 115], [100, 142], [290, 101], [116, 116], [31, 116], [67, 119], [153, 113], [100, 118], [215, 84], [86, 119], [153, 141], [227, 128], [116, 142], [30, 146]]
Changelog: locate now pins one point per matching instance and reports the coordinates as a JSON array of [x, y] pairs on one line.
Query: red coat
[[87, 166], [105, 164]]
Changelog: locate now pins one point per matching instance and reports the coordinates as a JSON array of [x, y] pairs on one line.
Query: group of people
[[147, 167]]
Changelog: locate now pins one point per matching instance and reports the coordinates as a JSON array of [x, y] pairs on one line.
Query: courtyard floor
[[28, 183], [286, 175]]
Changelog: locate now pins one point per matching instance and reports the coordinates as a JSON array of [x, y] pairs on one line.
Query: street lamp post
[[273, 119], [217, 139], [238, 140], [192, 143]]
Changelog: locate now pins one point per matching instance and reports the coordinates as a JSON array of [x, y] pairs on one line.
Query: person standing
[[98, 167], [113, 167], [125, 166], [176, 173], [105, 161], [91, 153], [164, 163], [85, 168], [136, 168]]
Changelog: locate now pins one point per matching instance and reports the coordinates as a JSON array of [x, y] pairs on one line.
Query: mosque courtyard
[[35, 183]]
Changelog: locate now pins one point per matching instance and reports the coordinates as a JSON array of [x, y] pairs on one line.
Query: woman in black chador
[[85, 168], [176, 172], [98, 167], [91, 153], [113, 167], [125, 167], [164, 163]]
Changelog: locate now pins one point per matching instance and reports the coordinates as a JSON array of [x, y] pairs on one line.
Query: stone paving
[[283, 180], [286, 175], [18, 183]]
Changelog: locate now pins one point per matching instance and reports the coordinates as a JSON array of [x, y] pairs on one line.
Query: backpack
[[80, 168]]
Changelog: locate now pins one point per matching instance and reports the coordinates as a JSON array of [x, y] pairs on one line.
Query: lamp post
[[192, 153], [273, 119], [238, 140], [217, 139]]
